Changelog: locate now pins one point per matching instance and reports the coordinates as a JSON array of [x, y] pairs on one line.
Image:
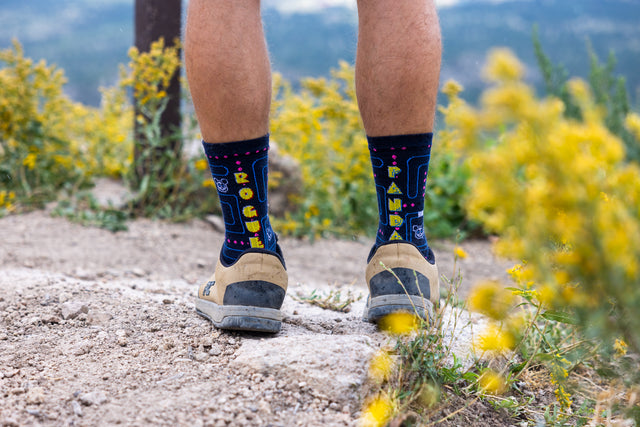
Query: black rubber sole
[[240, 318], [381, 306]]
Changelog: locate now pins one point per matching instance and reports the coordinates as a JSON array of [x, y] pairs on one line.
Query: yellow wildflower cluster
[[559, 374], [495, 339], [46, 140], [320, 127], [6, 201], [491, 299], [149, 75], [559, 192]]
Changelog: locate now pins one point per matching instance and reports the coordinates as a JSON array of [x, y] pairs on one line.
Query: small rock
[[31, 320], [51, 318], [109, 193], [215, 350], [35, 396], [10, 373], [72, 309], [34, 412], [207, 341], [77, 409], [83, 347], [138, 272], [64, 297], [84, 274], [102, 335], [93, 398], [264, 407], [10, 422], [167, 301], [16, 391], [4, 337], [216, 222], [98, 318], [46, 300], [122, 341], [201, 263], [200, 356]]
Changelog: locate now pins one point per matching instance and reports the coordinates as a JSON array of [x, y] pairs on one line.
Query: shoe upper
[[400, 268], [257, 279]]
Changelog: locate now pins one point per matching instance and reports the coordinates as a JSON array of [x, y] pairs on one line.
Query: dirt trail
[[98, 328]]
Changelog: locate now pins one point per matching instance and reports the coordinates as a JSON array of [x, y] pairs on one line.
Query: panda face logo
[[418, 231], [222, 184]]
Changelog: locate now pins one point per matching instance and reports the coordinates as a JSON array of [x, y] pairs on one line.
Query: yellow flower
[[579, 89], [547, 295], [399, 323], [201, 164], [451, 88], [492, 382], [491, 299], [503, 65], [377, 412], [494, 339], [620, 347], [381, 366], [459, 252], [30, 161], [633, 124]]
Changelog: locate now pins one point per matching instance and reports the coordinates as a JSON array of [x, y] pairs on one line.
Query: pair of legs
[[397, 72], [397, 67]]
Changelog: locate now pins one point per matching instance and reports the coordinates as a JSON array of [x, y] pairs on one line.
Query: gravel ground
[[98, 328]]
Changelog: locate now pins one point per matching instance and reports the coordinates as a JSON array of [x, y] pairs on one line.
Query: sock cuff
[[236, 148], [400, 142]]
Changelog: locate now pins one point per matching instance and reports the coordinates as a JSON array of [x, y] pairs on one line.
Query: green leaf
[[560, 316]]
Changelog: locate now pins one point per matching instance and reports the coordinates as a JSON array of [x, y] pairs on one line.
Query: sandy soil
[[98, 328]]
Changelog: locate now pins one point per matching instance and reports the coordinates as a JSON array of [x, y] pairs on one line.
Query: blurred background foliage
[[88, 38]]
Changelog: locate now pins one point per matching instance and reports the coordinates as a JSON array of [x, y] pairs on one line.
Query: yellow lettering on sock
[[246, 193], [249, 212], [256, 242], [395, 236], [241, 177], [393, 171], [393, 189], [253, 226], [395, 205], [395, 220]]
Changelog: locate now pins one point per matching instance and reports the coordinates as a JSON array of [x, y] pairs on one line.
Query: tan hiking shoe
[[246, 295], [400, 279]]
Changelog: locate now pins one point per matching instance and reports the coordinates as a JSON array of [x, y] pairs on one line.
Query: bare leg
[[397, 65], [228, 69]]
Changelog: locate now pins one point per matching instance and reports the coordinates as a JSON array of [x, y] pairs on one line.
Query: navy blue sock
[[240, 170], [400, 165]]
